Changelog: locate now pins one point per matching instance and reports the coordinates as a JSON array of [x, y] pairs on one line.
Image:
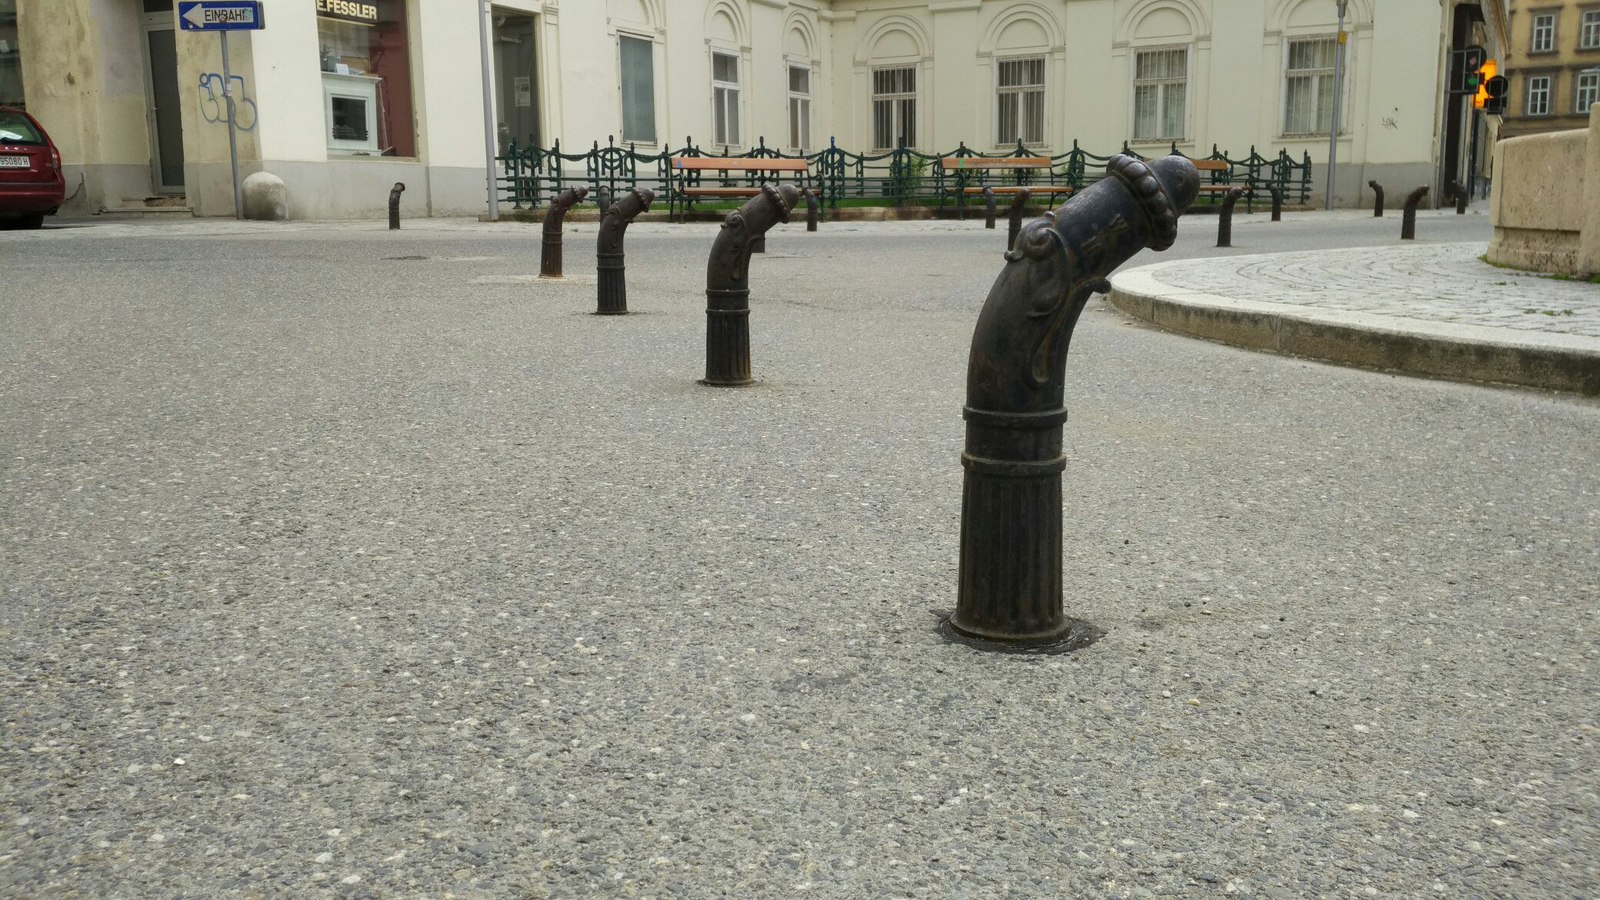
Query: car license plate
[[14, 162]]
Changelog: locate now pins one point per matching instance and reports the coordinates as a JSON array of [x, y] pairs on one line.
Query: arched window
[[1162, 50], [799, 39], [726, 40], [896, 51]]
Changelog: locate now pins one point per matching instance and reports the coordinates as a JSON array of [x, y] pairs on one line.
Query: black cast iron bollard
[[988, 202], [550, 258], [1010, 582], [811, 209], [602, 200], [394, 205], [1377, 191], [728, 283], [608, 255], [1408, 218], [1461, 199], [1277, 204], [1225, 216], [1017, 203]]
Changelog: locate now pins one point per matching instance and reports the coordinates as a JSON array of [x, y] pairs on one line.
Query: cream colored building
[[344, 97]]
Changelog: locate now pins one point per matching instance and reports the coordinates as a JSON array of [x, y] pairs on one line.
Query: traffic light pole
[[1338, 76]]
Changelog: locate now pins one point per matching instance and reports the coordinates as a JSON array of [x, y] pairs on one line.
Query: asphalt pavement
[[347, 562]]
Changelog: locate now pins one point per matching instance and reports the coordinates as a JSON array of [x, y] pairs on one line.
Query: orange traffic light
[[1485, 72]]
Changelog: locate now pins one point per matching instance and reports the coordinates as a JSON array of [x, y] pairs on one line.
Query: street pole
[[1338, 76], [233, 130], [487, 65]]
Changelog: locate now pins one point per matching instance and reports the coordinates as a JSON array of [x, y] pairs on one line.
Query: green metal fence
[[530, 175]]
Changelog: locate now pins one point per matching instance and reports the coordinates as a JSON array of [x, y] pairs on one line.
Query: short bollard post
[[988, 202], [550, 258], [1277, 203], [1377, 192], [1225, 216], [811, 209], [1010, 583], [1461, 199], [1408, 218], [1017, 203], [608, 255], [394, 205], [728, 283]]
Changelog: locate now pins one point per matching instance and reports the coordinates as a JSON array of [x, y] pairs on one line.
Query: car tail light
[[55, 158]]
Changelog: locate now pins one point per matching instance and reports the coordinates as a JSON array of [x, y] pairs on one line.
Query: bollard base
[[745, 383], [1077, 635]]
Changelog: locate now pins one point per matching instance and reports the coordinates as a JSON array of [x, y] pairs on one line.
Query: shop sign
[[348, 10]]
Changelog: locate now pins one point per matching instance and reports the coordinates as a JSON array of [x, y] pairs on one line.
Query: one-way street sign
[[221, 15]]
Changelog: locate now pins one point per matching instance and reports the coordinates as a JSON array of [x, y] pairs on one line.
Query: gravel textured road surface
[[341, 562]]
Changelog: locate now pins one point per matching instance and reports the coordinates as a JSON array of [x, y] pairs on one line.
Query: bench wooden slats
[[741, 164]]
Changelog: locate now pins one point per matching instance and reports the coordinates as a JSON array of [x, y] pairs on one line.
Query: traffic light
[[1465, 64], [1494, 95]]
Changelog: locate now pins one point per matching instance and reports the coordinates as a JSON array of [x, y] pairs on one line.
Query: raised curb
[[1549, 361]]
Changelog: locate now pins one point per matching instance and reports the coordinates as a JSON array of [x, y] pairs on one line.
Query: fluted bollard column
[[1277, 203], [811, 209], [1461, 199], [1017, 203], [728, 283], [608, 255], [394, 205], [1010, 583], [1408, 218], [988, 202], [550, 258], [1377, 192], [1225, 216]]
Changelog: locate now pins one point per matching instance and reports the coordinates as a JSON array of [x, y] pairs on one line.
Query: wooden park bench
[[966, 185], [752, 171]]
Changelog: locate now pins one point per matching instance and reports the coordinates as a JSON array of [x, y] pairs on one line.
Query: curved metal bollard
[[550, 257], [1010, 582], [1377, 190], [811, 209], [1277, 203], [394, 205], [608, 255], [988, 200], [1225, 216], [1461, 199], [1015, 228], [728, 283], [1408, 219]]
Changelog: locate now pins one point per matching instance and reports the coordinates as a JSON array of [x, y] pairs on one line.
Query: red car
[[31, 184]]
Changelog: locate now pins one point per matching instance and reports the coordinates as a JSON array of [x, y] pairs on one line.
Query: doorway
[[161, 86], [516, 81]]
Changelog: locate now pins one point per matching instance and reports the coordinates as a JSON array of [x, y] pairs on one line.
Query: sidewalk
[[1427, 309]]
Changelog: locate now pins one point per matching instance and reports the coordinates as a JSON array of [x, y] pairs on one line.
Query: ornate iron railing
[[530, 176]]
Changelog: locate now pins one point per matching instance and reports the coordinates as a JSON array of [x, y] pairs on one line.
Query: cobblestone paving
[[1430, 282]]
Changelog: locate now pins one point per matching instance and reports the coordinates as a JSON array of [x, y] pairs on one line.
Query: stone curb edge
[[1442, 350]]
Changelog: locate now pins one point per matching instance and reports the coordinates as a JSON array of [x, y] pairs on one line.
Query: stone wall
[[1545, 204]]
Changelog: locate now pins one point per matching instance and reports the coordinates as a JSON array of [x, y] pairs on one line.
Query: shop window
[[366, 77]]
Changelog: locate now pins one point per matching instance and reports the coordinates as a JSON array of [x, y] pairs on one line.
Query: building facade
[[342, 98], [1552, 64]]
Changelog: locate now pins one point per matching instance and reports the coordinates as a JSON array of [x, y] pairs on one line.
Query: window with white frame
[[1308, 86], [1586, 92], [1538, 96], [894, 107], [725, 98], [1021, 101], [799, 108], [638, 89], [1544, 33], [1160, 94], [1589, 36]]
